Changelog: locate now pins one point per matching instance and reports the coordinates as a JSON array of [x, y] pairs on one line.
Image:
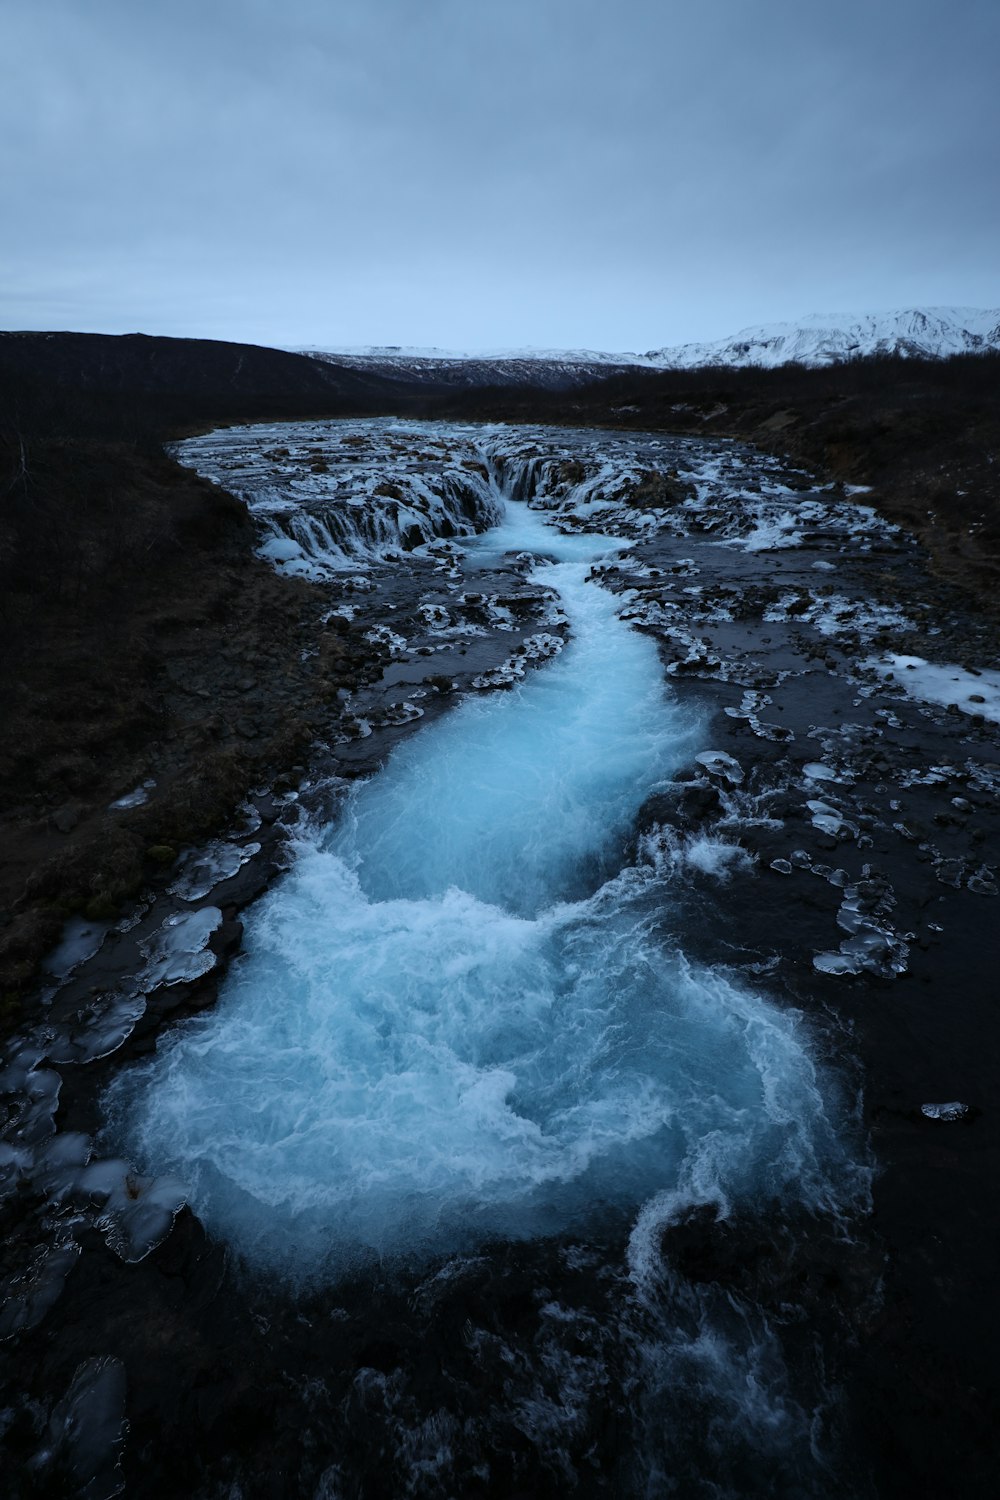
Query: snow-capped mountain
[[925, 333], [915, 333]]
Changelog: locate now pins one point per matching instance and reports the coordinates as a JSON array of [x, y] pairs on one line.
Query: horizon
[[826, 320]]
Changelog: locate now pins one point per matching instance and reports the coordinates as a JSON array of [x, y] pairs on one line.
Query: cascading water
[[452, 1018], [332, 507], [462, 1018]]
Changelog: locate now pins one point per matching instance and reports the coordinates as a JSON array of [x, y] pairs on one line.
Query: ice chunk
[[837, 963], [983, 881], [870, 949], [533, 648], [880, 952], [134, 798], [817, 772], [201, 870], [951, 1111], [718, 763], [36, 1099], [178, 951], [282, 549], [14, 1164], [381, 635], [80, 940], [99, 1028], [830, 820], [57, 1168], [138, 1212]]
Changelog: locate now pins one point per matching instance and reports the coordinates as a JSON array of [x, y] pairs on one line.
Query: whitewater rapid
[[463, 1014]]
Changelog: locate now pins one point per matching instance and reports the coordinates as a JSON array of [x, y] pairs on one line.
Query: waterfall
[[466, 1018], [454, 1017], [320, 515]]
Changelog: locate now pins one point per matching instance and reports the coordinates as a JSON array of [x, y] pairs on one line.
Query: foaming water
[[515, 797], [457, 1018]]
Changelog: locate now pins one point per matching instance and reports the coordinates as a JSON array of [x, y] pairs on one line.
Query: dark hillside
[[139, 634], [87, 385]]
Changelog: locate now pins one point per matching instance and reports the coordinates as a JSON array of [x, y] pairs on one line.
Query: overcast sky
[[475, 174]]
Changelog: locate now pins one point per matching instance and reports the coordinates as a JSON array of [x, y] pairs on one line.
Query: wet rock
[[697, 802], [86, 1434], [26, 1299], [770, 1262], [226, 939]]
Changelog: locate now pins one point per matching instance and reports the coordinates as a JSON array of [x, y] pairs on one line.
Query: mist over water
[[457, 1017]]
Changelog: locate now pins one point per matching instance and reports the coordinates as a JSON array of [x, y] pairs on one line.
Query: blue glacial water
[[457, 1016]]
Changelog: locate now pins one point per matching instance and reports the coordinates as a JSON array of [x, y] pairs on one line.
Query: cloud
[[439, 171]]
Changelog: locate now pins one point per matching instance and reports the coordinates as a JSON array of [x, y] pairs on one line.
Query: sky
[[475, 175]]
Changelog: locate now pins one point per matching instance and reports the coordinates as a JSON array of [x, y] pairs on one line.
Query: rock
[[226, 939], [66, 818], [86, 1432], [697, 802]]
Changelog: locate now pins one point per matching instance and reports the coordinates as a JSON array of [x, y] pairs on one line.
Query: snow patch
[[972, 692]]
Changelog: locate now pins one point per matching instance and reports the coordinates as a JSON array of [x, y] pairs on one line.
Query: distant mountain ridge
[[820, 339], [816, 340], [552, 369]]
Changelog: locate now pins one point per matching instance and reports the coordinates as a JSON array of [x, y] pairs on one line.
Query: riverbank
[[144, 640]]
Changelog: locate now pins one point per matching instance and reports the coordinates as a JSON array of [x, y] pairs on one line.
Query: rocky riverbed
[[830, 839]]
